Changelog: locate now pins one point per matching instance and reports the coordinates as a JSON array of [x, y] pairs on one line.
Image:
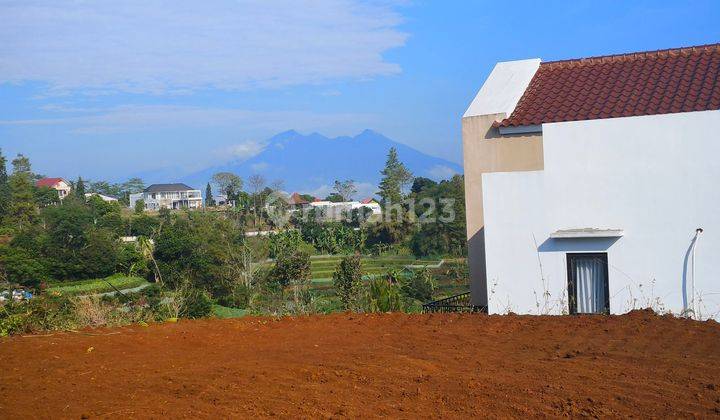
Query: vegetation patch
[[95, 286]]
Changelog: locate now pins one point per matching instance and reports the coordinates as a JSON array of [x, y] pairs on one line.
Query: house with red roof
[[296, 202], [58, 184], [592, 184]]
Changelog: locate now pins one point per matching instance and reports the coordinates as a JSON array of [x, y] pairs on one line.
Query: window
[[588, 285]]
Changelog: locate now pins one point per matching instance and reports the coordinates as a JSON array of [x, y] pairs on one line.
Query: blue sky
[[109, 89]]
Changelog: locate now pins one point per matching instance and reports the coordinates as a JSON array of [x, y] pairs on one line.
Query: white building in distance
[[169, 196]]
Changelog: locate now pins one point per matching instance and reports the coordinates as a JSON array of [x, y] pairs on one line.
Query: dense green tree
[[5, 193], [421, 184], [106, 214], [257, 184], [441, 217], [80, 189], [293, 267], [386, 234], [21, 266], [22, 164], [202, 248], [22, 196], [131, 186], [335, 198], [46, 196], [228, 183], [209, 200], [347, 280], [142, 225], [395, 177], [65, 238], [139, 206], [105, 188], [99, 255]]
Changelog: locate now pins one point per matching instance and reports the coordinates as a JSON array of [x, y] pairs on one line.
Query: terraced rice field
[[93, 286], [323, 267], [445, 272]]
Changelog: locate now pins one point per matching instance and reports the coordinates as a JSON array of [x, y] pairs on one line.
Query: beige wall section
[[485, 150]]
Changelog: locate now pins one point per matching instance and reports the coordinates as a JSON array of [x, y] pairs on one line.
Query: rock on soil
[[349, 365]]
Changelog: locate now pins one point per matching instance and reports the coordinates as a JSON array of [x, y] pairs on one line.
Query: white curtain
[[590, 285]]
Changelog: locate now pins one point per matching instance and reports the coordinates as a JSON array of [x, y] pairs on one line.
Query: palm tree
[[147, 247]]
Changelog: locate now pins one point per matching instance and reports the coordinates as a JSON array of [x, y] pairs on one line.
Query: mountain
[[311, 163]]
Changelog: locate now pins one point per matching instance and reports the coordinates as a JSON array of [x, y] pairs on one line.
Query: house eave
[[587, 233], [520, 129]]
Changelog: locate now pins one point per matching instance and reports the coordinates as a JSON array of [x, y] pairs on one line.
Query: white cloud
[[244, 150], [441, 172], [156, 46], [331, 92], [259, 167], [129, 118]]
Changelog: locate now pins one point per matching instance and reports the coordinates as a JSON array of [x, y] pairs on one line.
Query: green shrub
[[237, 297], [197, 303], [291, 267], [21, 266], [40, 313], [419, 286], [384, 296], [347, 280]]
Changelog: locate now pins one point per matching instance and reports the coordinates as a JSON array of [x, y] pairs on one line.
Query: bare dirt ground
[[351, 365]]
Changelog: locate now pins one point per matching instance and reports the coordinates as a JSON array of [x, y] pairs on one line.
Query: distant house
[[105, 198], [296, 202], [333, 209], [222, 200], [58, 184], [371, 204], [168, 196]]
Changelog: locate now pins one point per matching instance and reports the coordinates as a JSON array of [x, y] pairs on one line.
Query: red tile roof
[[367, 200], [625, 85], [48, 182], [296, 199]]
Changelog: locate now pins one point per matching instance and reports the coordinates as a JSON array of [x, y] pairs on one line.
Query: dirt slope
[[370, 365]]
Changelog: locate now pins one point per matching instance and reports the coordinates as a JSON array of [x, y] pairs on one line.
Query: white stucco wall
[[656, 177]]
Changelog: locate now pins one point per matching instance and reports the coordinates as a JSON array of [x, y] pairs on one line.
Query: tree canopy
[[395, 177], [228, 183]]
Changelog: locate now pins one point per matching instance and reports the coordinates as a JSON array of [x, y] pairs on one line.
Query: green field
[[225, 312], [447, 280], [322, 268], [94, 286]]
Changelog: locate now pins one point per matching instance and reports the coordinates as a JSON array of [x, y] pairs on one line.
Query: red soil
[[370, 365]]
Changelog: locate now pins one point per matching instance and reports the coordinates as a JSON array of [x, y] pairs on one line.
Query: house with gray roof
[[169, 196]]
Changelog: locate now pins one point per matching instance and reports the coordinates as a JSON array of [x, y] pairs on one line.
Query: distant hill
[[311, 163]]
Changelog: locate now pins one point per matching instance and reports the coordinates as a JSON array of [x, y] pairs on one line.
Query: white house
[[337, 210], [103, 197], [58, 184], [593, 185], [170, 196]]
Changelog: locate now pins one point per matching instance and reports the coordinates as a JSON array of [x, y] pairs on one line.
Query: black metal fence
[[457, 303]]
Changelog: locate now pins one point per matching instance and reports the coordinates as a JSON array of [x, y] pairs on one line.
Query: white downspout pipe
[[698, 231]]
